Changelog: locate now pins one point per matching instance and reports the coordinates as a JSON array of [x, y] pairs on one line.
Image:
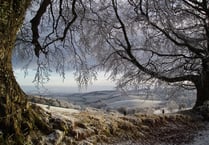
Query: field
[[111, 117]]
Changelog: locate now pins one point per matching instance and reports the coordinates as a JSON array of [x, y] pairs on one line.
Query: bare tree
[[53, 30], [179, 39], [141, 40], [137, 41]]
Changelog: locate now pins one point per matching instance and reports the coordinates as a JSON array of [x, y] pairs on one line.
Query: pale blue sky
[[69, 82]]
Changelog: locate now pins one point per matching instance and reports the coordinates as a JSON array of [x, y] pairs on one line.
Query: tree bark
[[12, 101], [12, 98], [202, 86], [16, 117]]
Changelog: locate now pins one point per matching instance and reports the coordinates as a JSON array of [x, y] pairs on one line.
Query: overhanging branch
[[34, 27], [133, 59], [36, 21]]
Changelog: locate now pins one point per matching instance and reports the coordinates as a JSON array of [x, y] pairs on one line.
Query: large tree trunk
[[11, 17], [12, 99], [202, 87], [16, 117]]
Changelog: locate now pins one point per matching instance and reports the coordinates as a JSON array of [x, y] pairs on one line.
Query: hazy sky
[[69, 84], [56, 82]]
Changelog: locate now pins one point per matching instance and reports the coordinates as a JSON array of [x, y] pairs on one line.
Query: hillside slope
[[93, 126]]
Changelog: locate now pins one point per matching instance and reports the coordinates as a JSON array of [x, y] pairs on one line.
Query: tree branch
[[34, 26], [135, 62], [170, 34], [36, 21]]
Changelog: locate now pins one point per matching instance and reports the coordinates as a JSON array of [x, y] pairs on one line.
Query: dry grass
[[98, 127]]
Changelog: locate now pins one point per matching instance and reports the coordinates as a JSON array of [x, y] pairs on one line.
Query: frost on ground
[[89, 126], [201, 137], [59, 111]]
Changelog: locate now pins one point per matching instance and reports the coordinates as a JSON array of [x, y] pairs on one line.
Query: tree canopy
[[134, 40]]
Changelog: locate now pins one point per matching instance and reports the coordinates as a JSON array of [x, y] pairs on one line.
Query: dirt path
[[202, 137]]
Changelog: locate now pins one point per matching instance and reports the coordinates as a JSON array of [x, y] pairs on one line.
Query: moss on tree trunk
[[17, 118]]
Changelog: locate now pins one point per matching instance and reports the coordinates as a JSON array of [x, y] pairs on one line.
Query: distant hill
[[131, 101]]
